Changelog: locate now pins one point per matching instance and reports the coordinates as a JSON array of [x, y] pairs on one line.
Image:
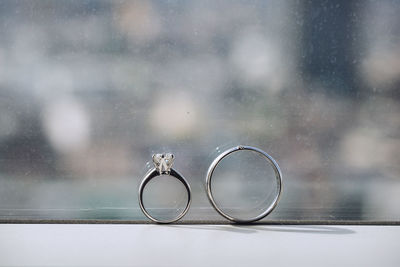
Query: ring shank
[[278, 176], [153, 173]]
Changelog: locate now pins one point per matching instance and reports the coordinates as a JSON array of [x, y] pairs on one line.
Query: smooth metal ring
[[156, 172], [278, 176]]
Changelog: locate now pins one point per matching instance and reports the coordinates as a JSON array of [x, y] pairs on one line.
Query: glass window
[[89, 90]]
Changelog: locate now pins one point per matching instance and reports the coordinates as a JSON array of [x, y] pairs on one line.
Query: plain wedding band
[[278, 176]]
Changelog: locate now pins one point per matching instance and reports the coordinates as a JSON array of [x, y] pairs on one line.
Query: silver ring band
[[278, 176], [163, 168]]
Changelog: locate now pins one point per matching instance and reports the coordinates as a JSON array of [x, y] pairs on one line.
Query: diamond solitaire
[[163, 166], [163, 162]]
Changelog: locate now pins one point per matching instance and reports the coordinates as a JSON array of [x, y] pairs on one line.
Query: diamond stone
[[163, 162]]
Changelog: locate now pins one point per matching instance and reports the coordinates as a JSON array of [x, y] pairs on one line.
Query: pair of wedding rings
[[163, 166]]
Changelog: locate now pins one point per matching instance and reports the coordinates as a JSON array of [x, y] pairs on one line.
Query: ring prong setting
[[163, 162]]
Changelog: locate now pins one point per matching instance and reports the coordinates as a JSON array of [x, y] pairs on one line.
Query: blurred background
[[90, 89]]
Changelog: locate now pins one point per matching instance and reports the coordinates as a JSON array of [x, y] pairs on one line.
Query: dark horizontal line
[[275, 222]]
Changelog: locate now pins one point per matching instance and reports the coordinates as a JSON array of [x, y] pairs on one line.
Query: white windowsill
[[198, 245]]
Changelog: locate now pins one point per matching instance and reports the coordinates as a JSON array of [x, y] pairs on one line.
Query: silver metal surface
[[278, 176], [163, 166]]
